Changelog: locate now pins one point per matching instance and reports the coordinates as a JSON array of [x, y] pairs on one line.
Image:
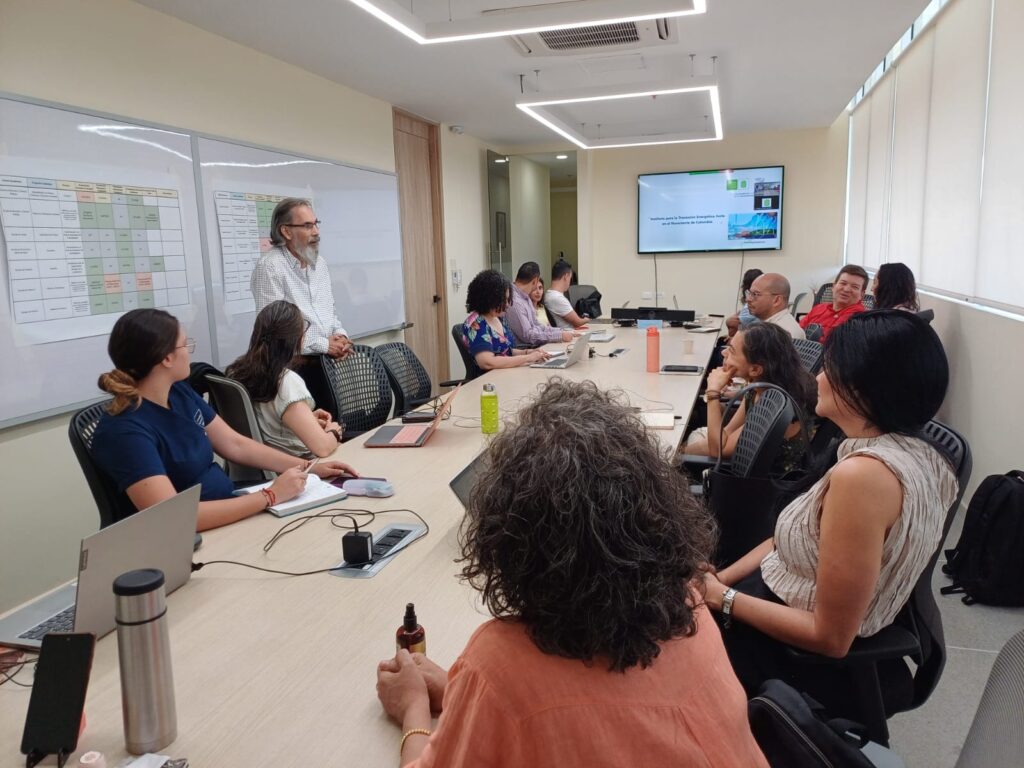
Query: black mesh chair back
[[812, 354], [113, 505], [197, 377], [764, 429], [472, 369], [916, 633], [927, 315], [232, 402], [794, 307], [360, 388], [868, 301], [410, 381], [996, 737], [824, 293]]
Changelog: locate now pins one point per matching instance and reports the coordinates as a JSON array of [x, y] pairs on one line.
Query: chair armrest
[[697, 461], [892, 642]]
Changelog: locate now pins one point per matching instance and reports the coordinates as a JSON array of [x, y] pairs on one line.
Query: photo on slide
[[753, 226]]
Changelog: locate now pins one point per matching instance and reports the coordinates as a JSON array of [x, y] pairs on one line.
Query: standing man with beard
[[293, 271]]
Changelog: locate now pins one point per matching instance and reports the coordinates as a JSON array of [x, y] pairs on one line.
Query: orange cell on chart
[[112, 284], [86, 197], [143, 281]]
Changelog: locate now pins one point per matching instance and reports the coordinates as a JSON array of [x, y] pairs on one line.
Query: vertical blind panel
[[1000, 268], [876, 211], [955, 146], [909, 152], [860, 121]]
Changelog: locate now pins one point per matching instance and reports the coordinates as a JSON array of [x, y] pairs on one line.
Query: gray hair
[[283, 215]]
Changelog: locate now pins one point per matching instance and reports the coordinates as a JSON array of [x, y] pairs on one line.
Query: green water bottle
[[489, 410]]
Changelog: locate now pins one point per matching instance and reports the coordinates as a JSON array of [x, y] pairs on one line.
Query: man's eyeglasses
[[309, 226], [190, 345], [759, 294]]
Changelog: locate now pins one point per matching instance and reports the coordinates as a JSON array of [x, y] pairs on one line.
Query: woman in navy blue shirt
[[159, 435]]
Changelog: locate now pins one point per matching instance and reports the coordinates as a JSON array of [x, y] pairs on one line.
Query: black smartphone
[[58, 696], [682, 368]]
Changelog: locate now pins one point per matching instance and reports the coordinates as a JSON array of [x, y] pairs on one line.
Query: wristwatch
[[727, 600]]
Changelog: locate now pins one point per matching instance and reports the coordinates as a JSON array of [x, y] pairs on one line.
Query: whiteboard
[[360, 234], [52, 366]]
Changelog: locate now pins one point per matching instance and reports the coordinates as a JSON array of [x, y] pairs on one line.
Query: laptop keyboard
[[61, 622], [558, 362]]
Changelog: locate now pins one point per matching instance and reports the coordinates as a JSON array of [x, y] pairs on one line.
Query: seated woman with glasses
[[159, 436], [485, 333], [847, 553], [759, 353], [284, 407], [599, 653]]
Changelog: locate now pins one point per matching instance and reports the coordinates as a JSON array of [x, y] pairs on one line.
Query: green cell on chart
[[146, 300], [104, 216], [124, 250], [137, 216], [94, 267], [152, 214], [156, 263], [97, 287], [98, 304], [135, 200], [115, 302], [87, 215], [125, 265]]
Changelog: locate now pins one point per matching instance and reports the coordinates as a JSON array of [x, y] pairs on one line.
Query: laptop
[[579, 352], [161, 536], [462, 484], [410, 435]]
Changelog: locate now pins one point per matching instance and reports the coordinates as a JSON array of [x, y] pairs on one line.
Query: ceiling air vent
[[601, 37]]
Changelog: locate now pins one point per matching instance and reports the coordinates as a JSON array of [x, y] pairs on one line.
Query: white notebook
[[658, 419], [317, 493]]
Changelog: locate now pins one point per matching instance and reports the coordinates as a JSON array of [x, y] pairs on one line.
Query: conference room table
[[274, 670]]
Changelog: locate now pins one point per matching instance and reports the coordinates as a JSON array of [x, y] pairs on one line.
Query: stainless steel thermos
[[144, 651]]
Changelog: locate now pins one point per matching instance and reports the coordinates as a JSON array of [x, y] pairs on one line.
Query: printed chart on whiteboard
[[243, 219], [79, 253]]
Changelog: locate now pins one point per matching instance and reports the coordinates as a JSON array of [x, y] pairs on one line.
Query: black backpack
[[987, 564], [589, 306], [792, 731]]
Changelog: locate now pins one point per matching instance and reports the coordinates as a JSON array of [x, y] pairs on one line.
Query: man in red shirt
[[847, 292]]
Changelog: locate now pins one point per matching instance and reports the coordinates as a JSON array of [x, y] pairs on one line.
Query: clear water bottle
[[489, 410], [144, 652]]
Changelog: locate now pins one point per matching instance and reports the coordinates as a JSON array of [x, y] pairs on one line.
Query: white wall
[[813, 204], [119, 57], [564, 235], [530, 214]]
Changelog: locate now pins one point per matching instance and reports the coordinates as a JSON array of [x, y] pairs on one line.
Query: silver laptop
[[601, 337], [579, 352], [161, 536]]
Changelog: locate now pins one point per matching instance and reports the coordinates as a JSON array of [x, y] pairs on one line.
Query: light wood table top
[[276, 670]]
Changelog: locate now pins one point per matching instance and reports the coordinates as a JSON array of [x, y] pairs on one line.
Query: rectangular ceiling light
[[540, 111], [526, 19]]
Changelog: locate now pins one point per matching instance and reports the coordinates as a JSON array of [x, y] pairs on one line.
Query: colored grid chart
[[77, 249], [243, 219]]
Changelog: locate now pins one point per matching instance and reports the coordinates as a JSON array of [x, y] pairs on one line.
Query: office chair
[[472, 369], [410, 381], [578, 293], [916, 633], [868, 301], [741, 493], [927, 315], [795, 305], [813, 332], [113, 505], [824, 293], [197, 377], [811, 353], [360, 390], [232, 402]]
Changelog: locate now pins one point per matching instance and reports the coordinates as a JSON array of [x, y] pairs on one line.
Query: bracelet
[[727, 600], [270, 496], [712, 395], [410, 732]]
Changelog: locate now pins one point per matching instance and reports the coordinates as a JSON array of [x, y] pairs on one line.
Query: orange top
[[509, 704]]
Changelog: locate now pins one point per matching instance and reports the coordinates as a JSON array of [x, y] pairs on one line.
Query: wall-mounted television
[[731, 209]]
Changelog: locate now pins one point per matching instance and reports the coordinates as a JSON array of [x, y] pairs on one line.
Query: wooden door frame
[[437, 227]]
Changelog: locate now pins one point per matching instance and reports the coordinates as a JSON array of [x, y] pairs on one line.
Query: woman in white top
[[847, 553], [283, 405]]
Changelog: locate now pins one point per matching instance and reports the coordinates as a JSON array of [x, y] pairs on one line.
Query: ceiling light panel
[[438, 21], [670, 114]]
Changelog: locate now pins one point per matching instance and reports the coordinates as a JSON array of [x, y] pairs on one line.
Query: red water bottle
[[653, 350]]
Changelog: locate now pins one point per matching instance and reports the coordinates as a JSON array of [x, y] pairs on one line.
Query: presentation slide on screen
[[727, 210]]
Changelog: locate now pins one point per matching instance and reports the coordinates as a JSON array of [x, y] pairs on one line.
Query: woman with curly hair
[[895, 288], [284, 408], [485, 333], [583, 542]]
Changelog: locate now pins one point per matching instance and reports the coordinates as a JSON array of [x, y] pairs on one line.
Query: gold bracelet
[[409, 733]]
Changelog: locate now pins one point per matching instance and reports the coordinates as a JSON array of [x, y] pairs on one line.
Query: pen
[[310, 466]]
